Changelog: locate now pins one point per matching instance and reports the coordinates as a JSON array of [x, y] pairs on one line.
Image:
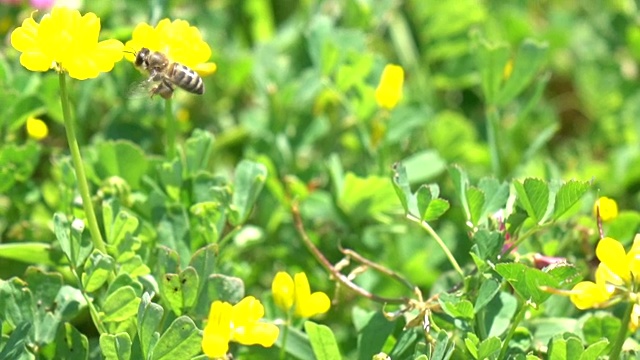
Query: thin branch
[[297, 219]]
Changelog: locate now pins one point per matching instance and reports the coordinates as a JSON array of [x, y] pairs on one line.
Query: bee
[[167, 74]]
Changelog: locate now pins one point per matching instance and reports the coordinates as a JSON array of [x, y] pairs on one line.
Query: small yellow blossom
[[238, 323], [36, 128], [389, 90], [296, 293], [66, 41], [176, 39], [507, 70], [608, 208]]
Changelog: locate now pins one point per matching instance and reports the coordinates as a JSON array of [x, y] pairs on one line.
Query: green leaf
[[563, 347], [74, 245], [30, 253], [569, 194], [499, 313], [249, 180], [71, 343], [197, 150], [444, 347], [225, 288], [489, 348], [181, 340], [364, 198], [476, 200], [322, 341], [204, 261], [171, 291], [488, 290], [595, 350], [461, 182], [297, 344], [170, 176], [491, 60], [472, 342], [529, 60], [597, 327], [415, 165], [119, 230], [97, 271], [116, 347], [372, 337], [17, 302], [149, 320], [14, 347], [533, 195], [120, 305], [17, 163], [527, 281], [495, 193], [455, 306], [121, 158], [403, 190], [487, 245]]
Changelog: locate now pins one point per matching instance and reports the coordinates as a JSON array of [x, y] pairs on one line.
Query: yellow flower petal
[[217, 333], [36, 128], [389, 91], [257, 334], [206, 69], [612, 254], [608, 208], [249, 310], [283, 291], [586, 295], [306, 304]]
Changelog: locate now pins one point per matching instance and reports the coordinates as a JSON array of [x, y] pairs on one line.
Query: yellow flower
[[389, 91], [618, 270], [66, 41], [288, 293], [178, 40], [36, 128], [238, 323], [608, 208]]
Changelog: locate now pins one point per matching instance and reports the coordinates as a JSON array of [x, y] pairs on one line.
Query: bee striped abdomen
[[187, 79]]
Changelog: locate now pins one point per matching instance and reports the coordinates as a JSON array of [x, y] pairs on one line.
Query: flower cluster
[[389, 90], [179, 41], [295, 293], [66, 41], [238, 323], [616, 278]]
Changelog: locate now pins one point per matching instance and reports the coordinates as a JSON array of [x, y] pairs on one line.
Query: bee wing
[[141, 89]]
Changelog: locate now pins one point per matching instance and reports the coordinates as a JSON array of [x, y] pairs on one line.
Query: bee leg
[[164, 89]]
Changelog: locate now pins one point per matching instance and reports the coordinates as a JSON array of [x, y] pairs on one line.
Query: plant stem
[[171, 129], [283, 348], [78, 165], [512, 330], [492, 138], [425, 225], [616, 349]]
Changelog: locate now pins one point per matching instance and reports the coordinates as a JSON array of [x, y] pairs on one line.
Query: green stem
[[512, 330], [78, 165], [425, 225], [616, 349], [283, 348], [171, 129], [492, 138]]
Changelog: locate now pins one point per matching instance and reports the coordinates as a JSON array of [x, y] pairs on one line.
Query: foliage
[[460, 178]]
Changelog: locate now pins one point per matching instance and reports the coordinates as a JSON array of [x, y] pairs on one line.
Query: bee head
[[142, 57]]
